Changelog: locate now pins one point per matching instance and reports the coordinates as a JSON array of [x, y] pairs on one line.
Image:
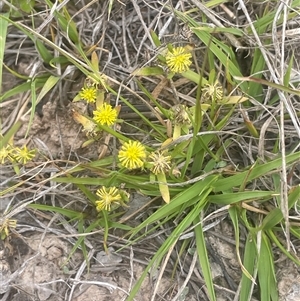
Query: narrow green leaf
[[234, 214], [294, 196], [155, 38], [3, 33], [171, 240], [22, 88], [66, 212], [287, 76], [250, 264], [10, 133], [232, 198], [273, 218], [270, 84], [45, 54], [203, 259], [266, 272], [185, 196], [283, 249], [68, 25], [148, 71], [228, 183]]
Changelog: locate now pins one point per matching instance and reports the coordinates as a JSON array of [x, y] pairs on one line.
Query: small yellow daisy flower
[[5, 153], [89, 94], [105, 115], [107, 196], [132, 154], [23, 155], [160, 162], [178, 60]]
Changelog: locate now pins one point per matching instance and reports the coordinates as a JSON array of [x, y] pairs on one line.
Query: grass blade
[[203, 259]]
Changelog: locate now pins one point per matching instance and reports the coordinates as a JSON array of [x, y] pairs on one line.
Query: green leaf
[[45, 54], [49, 84], [68, 25], [287, 75], [283, 249], [155, 38], [26, 6], [270, 84], [266, 272], [173, 237], [190, 194], [232, 198], [250, 264], [203, 259], [273, 218], [226, 184], [66, 212], [148, 71], [10, 133], [233, 212], [3, 33]]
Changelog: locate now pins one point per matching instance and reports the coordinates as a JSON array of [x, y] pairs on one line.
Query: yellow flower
[[23, 155], [5, 153], [89, 94], [178, 60], [107, 196], [132, 154], [160, 162], [105, 115]]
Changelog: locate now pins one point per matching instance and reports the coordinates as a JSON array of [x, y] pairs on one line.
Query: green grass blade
[[250, 264], [49, 84], [203, 259], [276, 241], [234, 215], [171, 240], [10, 133], [226, 184], [186, 195], [266, 272], [3, 33], [232, 198], [63, 211], [273, 218]]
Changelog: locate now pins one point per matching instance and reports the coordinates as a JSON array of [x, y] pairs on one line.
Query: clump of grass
[[194, 158]]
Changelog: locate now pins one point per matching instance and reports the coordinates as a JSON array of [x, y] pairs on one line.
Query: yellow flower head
[[105, 115], [132, 154], [160, 162], [107, 196], [23, 155], [89, 94], [5, 153], [178, 60]]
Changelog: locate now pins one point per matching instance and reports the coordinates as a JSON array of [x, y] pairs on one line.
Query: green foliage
[[201, 176]]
